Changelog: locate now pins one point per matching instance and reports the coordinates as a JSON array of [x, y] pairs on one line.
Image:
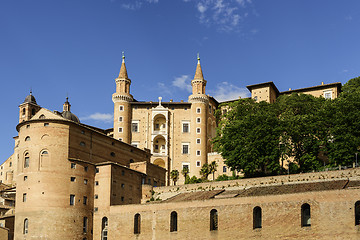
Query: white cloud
[[163, 88], [226, 91], [183, 82], [102, 117]]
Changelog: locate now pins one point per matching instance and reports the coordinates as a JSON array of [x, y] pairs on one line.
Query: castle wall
[[332, 217]]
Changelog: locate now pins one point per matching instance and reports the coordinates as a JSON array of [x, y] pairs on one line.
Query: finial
[[160, 98], [30, 90], [198, 56], [123, 56], [67, 99]]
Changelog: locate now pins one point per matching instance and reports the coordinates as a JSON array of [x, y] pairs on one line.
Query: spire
[[123, 71], [198, 72]]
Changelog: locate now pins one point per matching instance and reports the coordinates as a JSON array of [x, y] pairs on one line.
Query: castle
[[75, 181]]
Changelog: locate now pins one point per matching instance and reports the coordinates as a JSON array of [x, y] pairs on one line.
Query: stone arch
[[159, 162], [159, 145], [159, 122]]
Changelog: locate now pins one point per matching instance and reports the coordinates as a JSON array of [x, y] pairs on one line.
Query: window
[[85, 181], [104, 228], [86, 168], [112, 154], [121, 108], [156, 147], [72, 179], [120, 129], [26, 226], [198, 120], [198, 130], [85, 223], [209, 108], [28, 126], [85, 200], [198, 163], [96, 183], [305, 215], [224, 168], [82, 132], [328, 94], [96, 170], [46, 124], [137, 220], [27, 139], [186, 127], [120, 119], [72, 200], [198, 153], [135, 144], [198, 110], [198, 141], [96, 196], [122, 185], [82, 144], [157, 126], [24, 197], [96, 209], [185, 148], [25, 178], [73, 165], [213, 220], [357, 213], [123, 173], [135, 126], [42, 116], [173, 221], [122, 199], [10, 164], [26, 160], [257, 217]]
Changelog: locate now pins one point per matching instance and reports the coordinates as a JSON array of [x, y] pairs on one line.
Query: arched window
[[23, 112], [173, 222], [42, 116], [26, 160], [44, 158], [26, 226], [104, 228], [257, 217], [213, 220], [27, 138], [137, 220], [305, 215], [357, 213]]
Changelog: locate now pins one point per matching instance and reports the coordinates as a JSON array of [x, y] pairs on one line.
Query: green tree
[[174, 175], [248, 138], [213, 168], [185, 172], [205, 171], [302, 129]]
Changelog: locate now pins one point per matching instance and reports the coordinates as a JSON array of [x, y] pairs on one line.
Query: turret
[[122, 106], [28, 108]]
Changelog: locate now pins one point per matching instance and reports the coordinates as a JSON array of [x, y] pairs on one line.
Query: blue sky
[[74, 47]]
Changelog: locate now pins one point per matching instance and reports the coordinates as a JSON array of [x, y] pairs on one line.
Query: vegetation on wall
[[257, 137]]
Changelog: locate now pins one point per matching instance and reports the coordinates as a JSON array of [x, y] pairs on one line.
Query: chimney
[[322, 83], [171, 100], [289, 89]]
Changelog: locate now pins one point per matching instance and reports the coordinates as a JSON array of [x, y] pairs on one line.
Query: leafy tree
[[344, 136], [302, 129], [174, 175], [185, 172], [248, 138]]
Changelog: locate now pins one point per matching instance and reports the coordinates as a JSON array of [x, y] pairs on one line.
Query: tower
[[199, 114], [122, 105], [28, 108]]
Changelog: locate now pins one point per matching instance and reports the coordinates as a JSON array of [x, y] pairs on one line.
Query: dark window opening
[[137, 220], [257, 217], [305, 215], [173, 222], [213, 220]]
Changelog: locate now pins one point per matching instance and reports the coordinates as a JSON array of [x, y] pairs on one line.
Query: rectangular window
[[224, 168], [198, 110], [157, 126], [198, 140], [156, 147], [198, 153], [198, 163], [185, 148], [198, 120], [328, 94], [25, 178], [198, 130], [135, 127], [72, 179], [186, 166], [96, 196], [46, 124], [85, 200], [162, 146], [135, 144], [26, 164], [86, 168], [96, 170], [72, 200], [85, 181], [120, 129], [120, 119], [121, 108], [186, 127], [96, 183], [209, 109], [73, 165], [85, 223], [24, 197], [96, 209]]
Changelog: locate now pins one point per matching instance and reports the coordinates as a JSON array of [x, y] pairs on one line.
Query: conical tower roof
[[123, 71], [198, 72]]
